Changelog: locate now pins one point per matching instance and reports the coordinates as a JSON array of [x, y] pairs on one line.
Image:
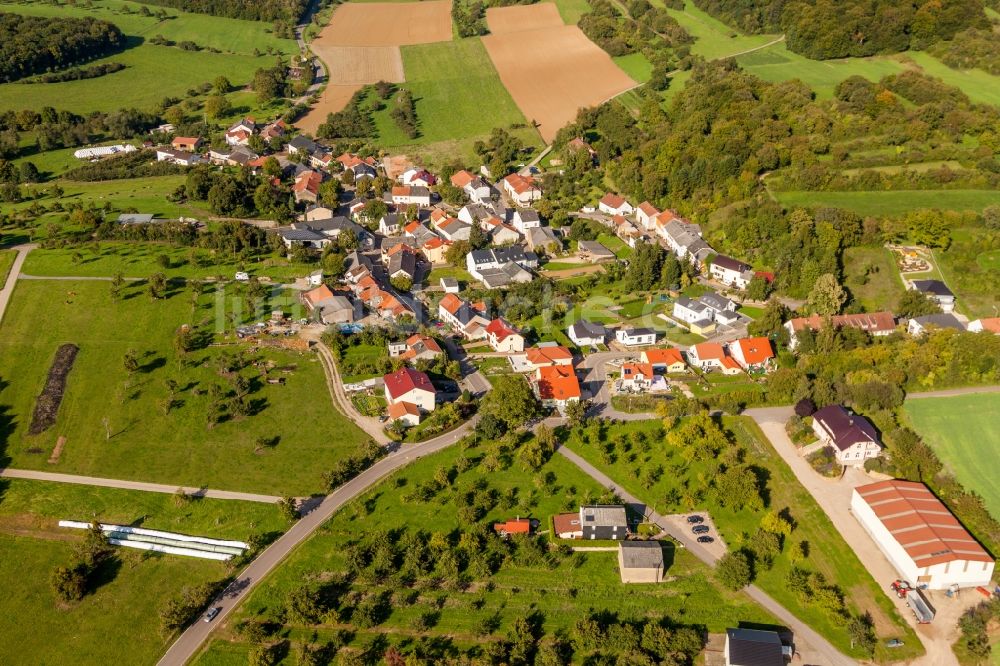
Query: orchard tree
[[734, 570]]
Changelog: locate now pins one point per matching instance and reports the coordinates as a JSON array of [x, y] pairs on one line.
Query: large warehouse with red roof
[[920, 536]]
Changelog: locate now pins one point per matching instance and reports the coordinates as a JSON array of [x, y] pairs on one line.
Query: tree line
[[287, 11], [824, 29], [67, 41]]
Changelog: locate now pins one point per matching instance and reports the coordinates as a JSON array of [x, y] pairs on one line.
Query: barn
[[920, 536], [640, 561]]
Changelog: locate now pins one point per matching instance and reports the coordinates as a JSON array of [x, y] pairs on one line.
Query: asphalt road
[[36, 475], [188, 644], [15, 273]]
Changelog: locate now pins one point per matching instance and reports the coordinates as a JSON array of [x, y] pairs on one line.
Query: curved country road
[[185, 647]]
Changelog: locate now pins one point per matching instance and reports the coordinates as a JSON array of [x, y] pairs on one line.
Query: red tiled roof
[[451, 303], [921, 523], [563, 523], [520, 184], [461, 178], [557, 382], [612, 200], [664, 356], [401, 191], [709, 350], [547, 355], [320, 293], [755, 350], [517, 526], [308, 181], [398, 410], [500, 329], [649, 209], [991, 324], [405, 380], [870, 321], [630, 370]]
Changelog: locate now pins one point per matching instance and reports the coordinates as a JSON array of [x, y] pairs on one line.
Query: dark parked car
[[210, 615], [700, 529], [695, 519], [705, 539]]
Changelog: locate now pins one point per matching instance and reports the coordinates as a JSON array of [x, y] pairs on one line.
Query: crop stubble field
[[551, 70], [361, 44]]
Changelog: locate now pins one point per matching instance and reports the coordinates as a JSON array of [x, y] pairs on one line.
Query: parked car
[[695, 519], [211, 614], [705, 539], [895, 642], [700, 529], [242, 276]]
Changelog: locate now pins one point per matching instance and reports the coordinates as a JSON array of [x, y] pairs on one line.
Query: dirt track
[[551, 70]]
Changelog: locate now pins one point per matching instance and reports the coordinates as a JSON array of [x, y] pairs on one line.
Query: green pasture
[[713, 38], [893, 202]]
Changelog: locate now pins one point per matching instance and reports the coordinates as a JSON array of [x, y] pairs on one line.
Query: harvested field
[[387, 24], [47, 405], [333, 99], [354, 65], [551, 70]]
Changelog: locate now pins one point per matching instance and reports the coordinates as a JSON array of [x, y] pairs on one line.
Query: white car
[[242, 276]]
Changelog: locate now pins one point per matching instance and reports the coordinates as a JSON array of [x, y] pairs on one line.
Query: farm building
[[640, 561], [936, 290], [635, 337], [753, 647], [103, 151], [919, 535]]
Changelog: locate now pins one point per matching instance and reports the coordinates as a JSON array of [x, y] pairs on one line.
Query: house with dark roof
[[919, 536], [640, 561], [584, 333], [303, 237], [604, 521], [921, 325], [936, 290], [303, 144], [594, 251], [852, 436], [730, 272], [635, 337], [753, 647]]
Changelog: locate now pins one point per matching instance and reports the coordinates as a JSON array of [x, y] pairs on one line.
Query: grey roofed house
[[729, 263], [450, 285], [356, 259], [528, 215], [596, 250], [403, 262], [542, 237], [390, 242], [587, 330], [845, 429], [306, 235], [716, 302], [932, 287], [604, 521], [640, 561], [752, 647], [241, 155], [337, 309], [332, 226], [948, 320], [691, 304], [302, 143], [135, 218], [509, 273], [518, 255]]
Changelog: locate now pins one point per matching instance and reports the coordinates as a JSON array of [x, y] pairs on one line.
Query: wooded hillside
[[34, 45], [261, 10], [841, 28]]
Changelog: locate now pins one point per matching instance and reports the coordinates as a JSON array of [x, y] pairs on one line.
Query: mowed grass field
[[179, 447], [459, 99], [713, 38], [872, 278], [152, 72], [6, 261], [123, 613], [892, 202], [560, 595], [965, 433]]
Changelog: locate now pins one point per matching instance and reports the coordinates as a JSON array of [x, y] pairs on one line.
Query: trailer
[[921, 608]]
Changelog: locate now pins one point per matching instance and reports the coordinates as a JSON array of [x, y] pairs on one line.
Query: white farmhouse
[[851, 436]]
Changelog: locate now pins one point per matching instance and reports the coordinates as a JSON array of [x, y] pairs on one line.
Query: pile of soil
[[47, 405]]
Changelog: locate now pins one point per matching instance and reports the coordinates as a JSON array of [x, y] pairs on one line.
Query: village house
[[417, 347], [988, 325], [587, 334], [604, 521], [577, 144], [419, 233], [406, 195], [434, 250], [557, 386], [186, 143], [419, 177], [753, 354], [699, 317], [667, 360], [638, 377], [920, 325], [920, 537], [627, 231], [302, 144], [321, 159], [500, 233], [477, 189], [391, 224], [635, 337], [522, 189], [402, 263], [178, 157], [467, 319], [330, 308], [645, 215], [360, 167], [524, 219], [303, 237], [306, 187], [613, 204], [936, 290], [541, 356], [852, 437], [477, 214], [567, 525], [730, 272], [500, 267], [873, 323], [640, 561], [405, 412], [275, 130], [683, 238], [516, 526], [239, 134], [412, 386], [594, 252], [708, 356], [332, 227], [453, 229], [503, 337], [543, 239]]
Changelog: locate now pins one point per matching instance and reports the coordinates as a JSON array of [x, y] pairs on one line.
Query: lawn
[[893, 202], [616, 245], [635, 65], [971, 273], [6, 261], [962, 430], [306, 435], [459, 98], [633, 459], [143, 259], [152, 72], [713, 38], [777, 63], [560, 596], [124, 610], [872, 277]]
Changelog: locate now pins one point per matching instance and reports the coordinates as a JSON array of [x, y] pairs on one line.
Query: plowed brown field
[[550, 69]]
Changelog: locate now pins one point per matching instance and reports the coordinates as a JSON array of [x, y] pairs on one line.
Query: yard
[[558, 596], [634, 466], [963, 431], [872, 278], [124, 610], [119, 424], [152, 71]]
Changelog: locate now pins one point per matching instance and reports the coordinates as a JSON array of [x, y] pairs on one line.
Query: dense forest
[[66, 41], [970, 49], [841, 28], [287, 11]]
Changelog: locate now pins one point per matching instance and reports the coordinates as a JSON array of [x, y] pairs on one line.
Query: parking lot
[[677, 523]]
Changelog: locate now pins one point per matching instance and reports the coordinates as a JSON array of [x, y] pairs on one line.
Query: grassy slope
[[153, 72], [636, 66], [893, 202], [714, 39], [828, 552], [572, 10], [125, 610], [977, 84], [561, 596], [777, 63], [459, 99], [146, 445], [962, 430], [6, 261], [881, 288]]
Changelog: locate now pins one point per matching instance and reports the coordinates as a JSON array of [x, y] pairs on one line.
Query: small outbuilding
[[753, 647], [640, 561]]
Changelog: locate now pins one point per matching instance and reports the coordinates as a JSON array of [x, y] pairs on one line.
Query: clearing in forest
[[551, 70]]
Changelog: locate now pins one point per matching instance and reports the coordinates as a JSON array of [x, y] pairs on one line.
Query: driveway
[[834, 496]]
